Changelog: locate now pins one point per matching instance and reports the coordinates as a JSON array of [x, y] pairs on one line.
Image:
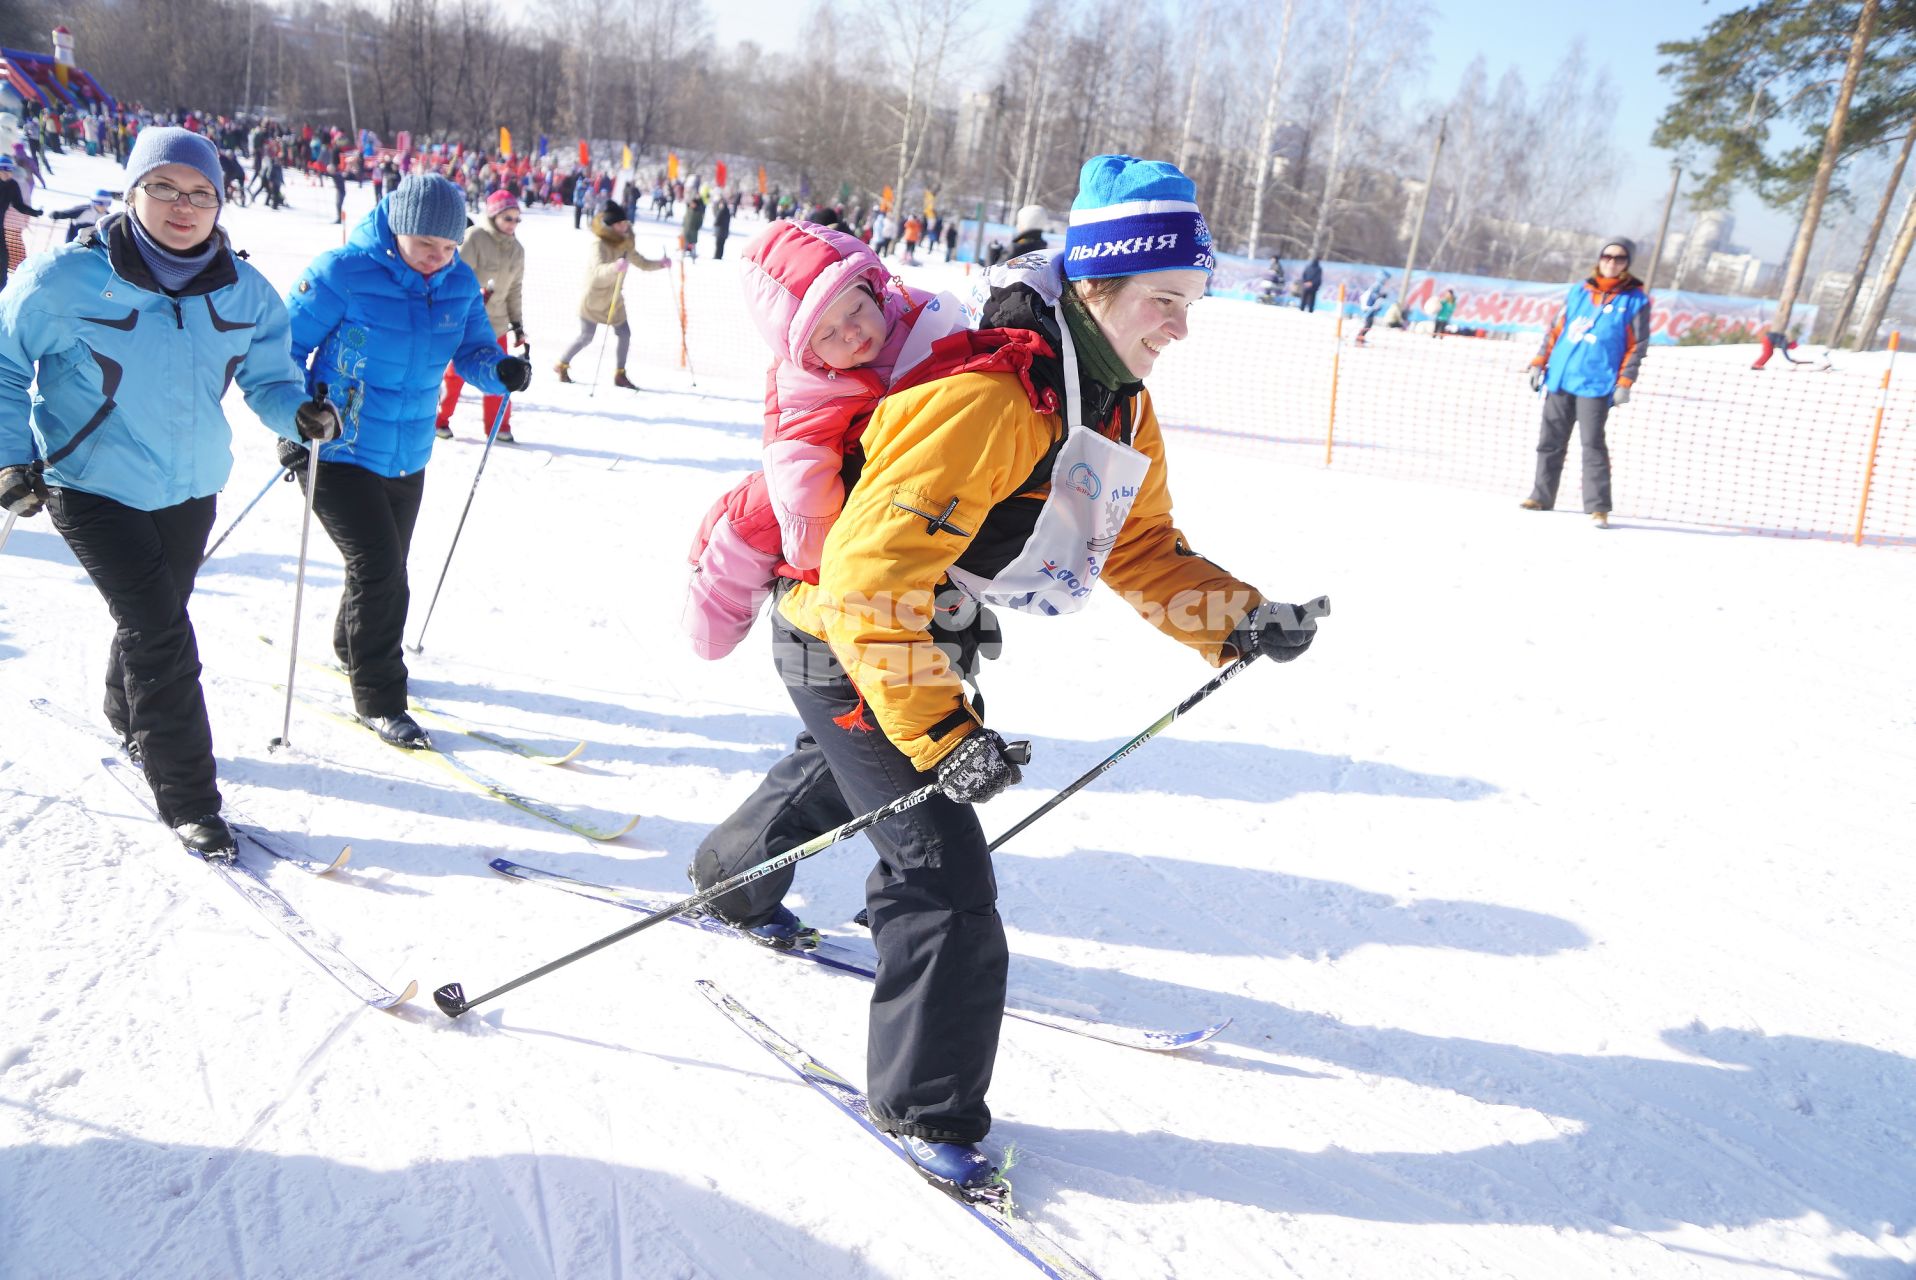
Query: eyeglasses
[[1613, 257], [167, 193]]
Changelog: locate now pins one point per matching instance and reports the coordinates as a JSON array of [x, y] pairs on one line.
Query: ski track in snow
[[1565, 934]]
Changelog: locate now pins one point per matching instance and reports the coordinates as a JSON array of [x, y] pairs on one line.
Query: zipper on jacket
[[179, 321]]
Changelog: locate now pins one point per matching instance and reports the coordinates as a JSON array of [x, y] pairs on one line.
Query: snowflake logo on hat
[[1203, 233]]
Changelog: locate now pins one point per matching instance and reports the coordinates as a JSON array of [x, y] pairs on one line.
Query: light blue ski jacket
[[130, 377]]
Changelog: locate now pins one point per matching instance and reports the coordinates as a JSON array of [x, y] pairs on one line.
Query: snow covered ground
[[1559, 896]]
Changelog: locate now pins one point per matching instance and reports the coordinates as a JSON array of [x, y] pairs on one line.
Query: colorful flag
[[884, 200], [505, 142], [672, 166], [719, 173], [761, 179], [585, 153], [625, 158]]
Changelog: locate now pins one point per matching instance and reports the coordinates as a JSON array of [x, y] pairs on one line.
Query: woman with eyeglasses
[[1588, 362], [135, 330], [493, 251]]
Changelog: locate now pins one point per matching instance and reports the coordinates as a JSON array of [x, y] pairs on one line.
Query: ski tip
[[604, 835], [1191, 1039], [345, 855], [451, 999], [411, 990]]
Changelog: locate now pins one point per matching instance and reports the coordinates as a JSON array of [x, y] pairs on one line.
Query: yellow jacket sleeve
[[938, 458], [1176, 590]]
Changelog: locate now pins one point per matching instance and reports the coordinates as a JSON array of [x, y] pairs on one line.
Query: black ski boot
[[208, 836], [400, 729]]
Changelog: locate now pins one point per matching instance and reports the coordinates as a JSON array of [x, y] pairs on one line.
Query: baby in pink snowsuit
[[840, 332]]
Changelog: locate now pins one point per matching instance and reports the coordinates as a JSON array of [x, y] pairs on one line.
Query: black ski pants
[[1307, 297], [370, 519], [1562, 412], [144, 563], [932, 898]]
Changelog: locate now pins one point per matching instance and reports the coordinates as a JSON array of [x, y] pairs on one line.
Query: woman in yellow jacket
[[1021, 466]]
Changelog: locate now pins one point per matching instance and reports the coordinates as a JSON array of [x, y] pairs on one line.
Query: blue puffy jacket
[[131, 377], [1597, 340], [383, 335]]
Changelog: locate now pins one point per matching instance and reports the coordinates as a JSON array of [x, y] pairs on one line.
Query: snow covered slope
[[1560, 896]]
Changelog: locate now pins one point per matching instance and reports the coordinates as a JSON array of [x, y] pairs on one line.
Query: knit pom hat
[[426, 204], [1030, 218], [1133, 216], [499, 201], [1628, 245], [158, 145], [614, 212]]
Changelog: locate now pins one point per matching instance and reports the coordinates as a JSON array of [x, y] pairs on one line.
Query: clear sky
[[1531, 35]]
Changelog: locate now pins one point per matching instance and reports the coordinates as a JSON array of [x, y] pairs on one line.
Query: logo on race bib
[[1083, 479]]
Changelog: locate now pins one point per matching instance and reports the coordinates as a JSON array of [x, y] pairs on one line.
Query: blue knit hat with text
[[426, 204], [157, 145], [1133, 216]]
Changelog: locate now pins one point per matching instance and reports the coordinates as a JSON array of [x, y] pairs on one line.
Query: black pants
[[1307, 297], [370, 519], [1561, 412], [144, 563], [942, 957]]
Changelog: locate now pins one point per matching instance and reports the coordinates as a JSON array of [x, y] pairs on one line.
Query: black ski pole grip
[[1018, 752]]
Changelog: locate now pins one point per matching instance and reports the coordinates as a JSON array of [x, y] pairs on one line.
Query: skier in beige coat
[[613, 251], [493, 251]]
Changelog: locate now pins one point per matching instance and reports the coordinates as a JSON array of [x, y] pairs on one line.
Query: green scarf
[[1096, 360]]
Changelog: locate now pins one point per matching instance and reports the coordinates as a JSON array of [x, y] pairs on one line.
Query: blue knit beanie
[[426, 204], [1133, 216], [158, 145]]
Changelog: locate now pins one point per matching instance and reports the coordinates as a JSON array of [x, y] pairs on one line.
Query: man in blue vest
[[1588, 362]]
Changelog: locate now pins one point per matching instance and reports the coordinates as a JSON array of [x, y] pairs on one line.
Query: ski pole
[[611, 308], [281, 474], [498, 419], [299, 581], [1318, 608], [451, 998], [6, 530]]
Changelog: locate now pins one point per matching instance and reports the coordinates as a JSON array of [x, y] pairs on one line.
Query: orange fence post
[[682, 353], [1876, 434], [1337, 353]]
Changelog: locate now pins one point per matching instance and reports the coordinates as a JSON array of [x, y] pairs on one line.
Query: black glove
[[22, 492], [1279, 631], [292, 454], [317, 420], [1537, 373], [514, 372], [519, 336], [982, 765]]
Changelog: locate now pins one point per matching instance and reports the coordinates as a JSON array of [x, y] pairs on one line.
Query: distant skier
[[613, 251], [1371, 303], [85, 215], [1776, 342]]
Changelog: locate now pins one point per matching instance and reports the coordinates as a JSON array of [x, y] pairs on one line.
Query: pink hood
[[795, 270]]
